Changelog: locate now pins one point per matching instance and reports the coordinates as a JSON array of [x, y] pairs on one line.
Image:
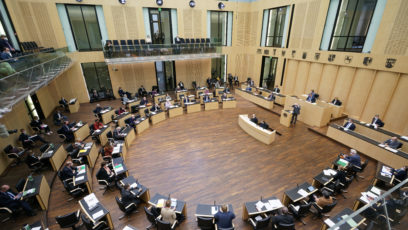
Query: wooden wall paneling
[[188, 23], [310, 24], [328, 79], [72, 84], [343, 83], [198, 26], [117, 80], [380, 95], [31, 32], [290, 76], [396, 116], [315, 74], [130, 78], [397, 43], [362, 83], [44, 22], [119, 22], [298, 24], [301, 77], [131, 22]]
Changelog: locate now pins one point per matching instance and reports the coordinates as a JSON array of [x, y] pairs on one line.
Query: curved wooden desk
[[259, 100], [256, 131]]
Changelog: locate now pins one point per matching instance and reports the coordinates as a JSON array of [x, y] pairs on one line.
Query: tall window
[[160, 26], [97, 78], [219, 27], [352, 24], [275, 26], [85, 27]]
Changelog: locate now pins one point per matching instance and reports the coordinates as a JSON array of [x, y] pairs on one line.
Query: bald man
[[12, 200]]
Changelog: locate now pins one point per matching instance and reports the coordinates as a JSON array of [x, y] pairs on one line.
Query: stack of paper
[[91, 200], [376, 190], [116, 149], [391, 149], [330, 223], [404, 137], [160, 203], [214, 210], [81, 169], [133, 186], [173, 202], [302, 192], [329, 172], [79, 178], [381, 145], [72, 101], [118, 168], [259, 205], [275, 203]]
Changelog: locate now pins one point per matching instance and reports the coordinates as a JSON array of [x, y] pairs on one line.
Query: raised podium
[[286, 116]]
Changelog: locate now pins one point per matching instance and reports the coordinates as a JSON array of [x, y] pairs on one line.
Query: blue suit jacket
[[352, 127], [354, 159]]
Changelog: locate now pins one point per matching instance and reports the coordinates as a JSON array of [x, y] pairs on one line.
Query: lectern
[[286, 116]]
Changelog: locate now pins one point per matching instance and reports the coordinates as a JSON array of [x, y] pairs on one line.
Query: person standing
[[295, 113]]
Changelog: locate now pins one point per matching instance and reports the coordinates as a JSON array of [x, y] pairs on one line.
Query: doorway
[[268, 73], [165, 75], [160, 26], [218, 66], [34, 107]]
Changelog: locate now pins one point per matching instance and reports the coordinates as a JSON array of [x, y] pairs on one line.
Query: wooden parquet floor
[[206, 157]]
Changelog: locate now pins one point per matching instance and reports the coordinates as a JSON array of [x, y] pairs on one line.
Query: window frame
[[220, 27], [276, 23], [87, 35], [345, 49]]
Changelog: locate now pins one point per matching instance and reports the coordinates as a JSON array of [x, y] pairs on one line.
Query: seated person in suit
[[121, 110], [206, 98], [223, 218], [224, 96], [226, 90], [36, 122], [324, 200], [26, 140], [353, 158], [311, 97], [142, 91], [105, 173], [181, 85], [349, 125], [376, 121], [122, 93], [168, 214], [168, 97], [254, 119], [336, 101], [117, 132], [168, 104], [59, 118], [64, 103], [236, 80], [68, 171], [276, 89], [283, 217], [143, 101], [66, 129], [248, 88], [97, 124], [94, 95], [264, 125], [393, 143], [98, 109], [155, 108], [271, 97], [11, 200], [127, 197], [401, 174], [107, 150], [125, 99]]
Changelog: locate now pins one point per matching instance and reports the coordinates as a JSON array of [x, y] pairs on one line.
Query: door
[[268, 72], [218, 67], [165, 75], [160, 26], [97, 78], [34, 107]]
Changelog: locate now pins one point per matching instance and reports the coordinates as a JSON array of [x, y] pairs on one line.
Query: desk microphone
[[297, 185], [168, 197], [214, 202], [261, 198]]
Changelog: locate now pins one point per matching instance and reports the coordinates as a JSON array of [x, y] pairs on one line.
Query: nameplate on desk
[[302, 192], [391, 149], [79, 178], [97, 215]]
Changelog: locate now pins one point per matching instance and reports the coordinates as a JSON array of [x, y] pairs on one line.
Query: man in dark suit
[[264, 125], [223, 218], [401, 174], [282, 218], [36, 122], [122, 92], [206, 98], [105, 173], [127, 197], [59, 118], [271, 97], [143, 101], [155, 108], [276, 89], [68, 171], [6, 55], [142, 91], [349, 125], [336, 101], [353, 158], [393, 143], [66, 129], [340, 175], [177, 40], [230, 81], [236, 80], [377, 122], [26, 140], [186, 99], [98, 109], [295, 113], [181, 85], [311, 97], [64, 103], [12, 201], [254, 119], [4, 43], [117, 132]]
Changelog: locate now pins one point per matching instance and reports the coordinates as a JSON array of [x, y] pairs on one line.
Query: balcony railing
[[117, 54], [21, 76]]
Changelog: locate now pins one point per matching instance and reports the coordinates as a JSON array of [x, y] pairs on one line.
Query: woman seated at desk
[[108, 150], [105, 173], [120, 111], [97, 125], [143, 101]]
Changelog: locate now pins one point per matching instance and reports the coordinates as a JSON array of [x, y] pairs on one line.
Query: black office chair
[[150, 217], [20, 184], [281, 226], [16, 153], [356, 169], [106, 185], [89, 225], [45, 147], [205, 223], [164, 225], [301, 212], [129, 209], [36, 130], [326, 209], [33, 163], [62, 178], [74, 191], [6, 214], [232, 228], [69, 220], [260, 224]]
